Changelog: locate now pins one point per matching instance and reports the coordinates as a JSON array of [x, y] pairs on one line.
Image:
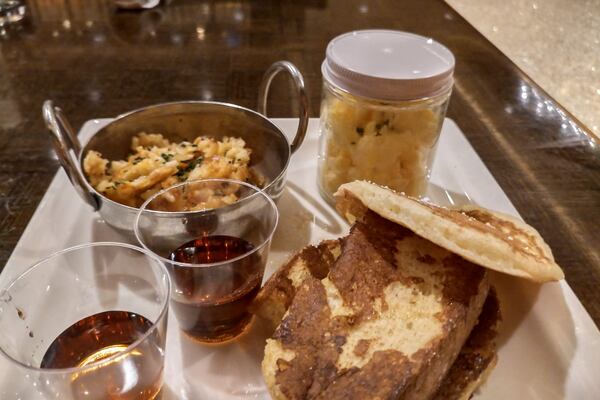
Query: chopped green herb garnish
[[182, 172], [195, 163], [380, 125], [167, 156], [137, 160]]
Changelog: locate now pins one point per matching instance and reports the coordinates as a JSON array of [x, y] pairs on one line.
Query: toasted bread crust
[[476, 358], [474, 363], [277, 294], [329, 344]]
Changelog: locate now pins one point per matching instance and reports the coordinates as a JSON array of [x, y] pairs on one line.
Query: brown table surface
[[94, 61]]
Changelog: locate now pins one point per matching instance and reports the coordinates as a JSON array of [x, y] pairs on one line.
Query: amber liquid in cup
[[98, 337], [213, 302]]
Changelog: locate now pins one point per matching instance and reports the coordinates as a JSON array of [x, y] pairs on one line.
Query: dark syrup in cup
[[211, 303], [136, 374]]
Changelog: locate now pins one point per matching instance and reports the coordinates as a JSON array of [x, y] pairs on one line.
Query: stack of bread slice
[[401, 308]]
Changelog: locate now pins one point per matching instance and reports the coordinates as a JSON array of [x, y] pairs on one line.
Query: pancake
[[490, 239]]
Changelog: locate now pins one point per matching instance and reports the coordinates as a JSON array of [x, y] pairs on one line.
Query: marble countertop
[[555, 42]]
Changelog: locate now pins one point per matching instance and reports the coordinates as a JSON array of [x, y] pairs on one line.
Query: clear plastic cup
[[214, 237], [88, 322]]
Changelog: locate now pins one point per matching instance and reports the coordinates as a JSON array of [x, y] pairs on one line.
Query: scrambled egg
[[155, 164], [391, 148]]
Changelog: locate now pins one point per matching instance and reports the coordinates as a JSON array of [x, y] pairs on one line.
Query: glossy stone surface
[[556, 42], [94, 61]]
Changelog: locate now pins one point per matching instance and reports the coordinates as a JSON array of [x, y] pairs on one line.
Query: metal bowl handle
[[263, 94], [67, 148]]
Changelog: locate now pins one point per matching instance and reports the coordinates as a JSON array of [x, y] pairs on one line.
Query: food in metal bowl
[[155, 163]]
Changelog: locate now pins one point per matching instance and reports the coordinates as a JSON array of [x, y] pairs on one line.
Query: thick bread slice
[[387, 322], [275, 297], [477, 358], [474, 363], [486, 238]]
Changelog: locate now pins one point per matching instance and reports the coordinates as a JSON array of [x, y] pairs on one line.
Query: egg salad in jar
[[384, 100], [385, 145]]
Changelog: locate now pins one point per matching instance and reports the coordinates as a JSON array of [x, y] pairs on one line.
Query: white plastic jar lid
[[388, 65]]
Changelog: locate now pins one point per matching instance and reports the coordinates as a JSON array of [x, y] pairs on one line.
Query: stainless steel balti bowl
[[180, 121]]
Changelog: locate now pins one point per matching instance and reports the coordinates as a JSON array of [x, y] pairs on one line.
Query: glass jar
[[382, 110]]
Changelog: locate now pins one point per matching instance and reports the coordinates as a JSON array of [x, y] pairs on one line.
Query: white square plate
[[549, 346]]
